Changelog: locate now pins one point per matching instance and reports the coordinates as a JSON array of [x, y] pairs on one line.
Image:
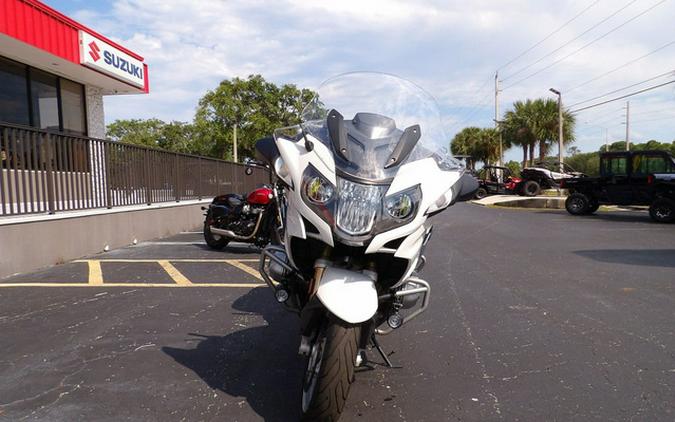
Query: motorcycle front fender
[[348, 295]]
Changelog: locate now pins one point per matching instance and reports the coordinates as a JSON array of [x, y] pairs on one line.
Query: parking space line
[[170, 260], [191, 285], [245, 268], [173, 272], [95, 273]]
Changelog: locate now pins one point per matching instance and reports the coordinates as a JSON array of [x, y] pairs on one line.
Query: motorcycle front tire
[[213, 240], [330, 372]]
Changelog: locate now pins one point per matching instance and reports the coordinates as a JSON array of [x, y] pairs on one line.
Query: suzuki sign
[[105, 58]]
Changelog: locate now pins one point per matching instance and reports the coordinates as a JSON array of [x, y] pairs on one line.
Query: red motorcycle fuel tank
[[260, 196]]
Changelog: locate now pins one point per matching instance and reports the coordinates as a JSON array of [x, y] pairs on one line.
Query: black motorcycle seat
[[231, 200], [235, 200]]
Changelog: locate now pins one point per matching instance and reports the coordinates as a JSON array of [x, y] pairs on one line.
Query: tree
[[480, 144], [517, 128], [546, 112], [535, 123], [587, 163], [573, 150], [255, 106], [488, 146], [136, 131], [515, 168], [464, 144], [174, 136]]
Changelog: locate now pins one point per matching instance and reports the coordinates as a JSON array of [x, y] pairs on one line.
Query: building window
[[32, 97], [72, 107], [44, 100], [14, 93]]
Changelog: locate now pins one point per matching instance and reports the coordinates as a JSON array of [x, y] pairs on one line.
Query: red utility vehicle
[[497, 180]]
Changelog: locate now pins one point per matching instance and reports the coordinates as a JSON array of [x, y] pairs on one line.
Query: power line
[[588, 44], [475, 109], [652, 112], [549, 35], [624, 96], [628, 63], [670, 72], [570, 41], [612, 120], [603, 116], [671, 117]]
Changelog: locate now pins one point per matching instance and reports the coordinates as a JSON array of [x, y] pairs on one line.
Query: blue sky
[[451, 48]]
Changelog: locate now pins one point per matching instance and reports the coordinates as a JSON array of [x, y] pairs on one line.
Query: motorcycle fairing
[[297, 159], [436, 186], [349, 295]]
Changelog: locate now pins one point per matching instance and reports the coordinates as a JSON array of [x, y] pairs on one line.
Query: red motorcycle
[[255, 218]]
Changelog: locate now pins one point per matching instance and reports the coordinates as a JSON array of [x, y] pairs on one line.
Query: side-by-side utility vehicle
[[627, 178]]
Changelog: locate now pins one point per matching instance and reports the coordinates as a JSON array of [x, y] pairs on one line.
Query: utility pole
[[560, 128], [501, 151], [235, 142], [627, 125], [606, 140]]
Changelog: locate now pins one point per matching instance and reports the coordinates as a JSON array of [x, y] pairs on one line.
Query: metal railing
[[46, 172]]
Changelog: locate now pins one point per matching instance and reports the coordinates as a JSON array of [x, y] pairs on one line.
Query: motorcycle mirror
[[248, 171], [469, 186]]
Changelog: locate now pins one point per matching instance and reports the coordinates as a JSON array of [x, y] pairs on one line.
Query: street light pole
[[627, 125], [234, 142], [560, 128], [501, 148]]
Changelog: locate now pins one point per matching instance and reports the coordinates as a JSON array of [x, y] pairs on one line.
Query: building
[[55, 71]]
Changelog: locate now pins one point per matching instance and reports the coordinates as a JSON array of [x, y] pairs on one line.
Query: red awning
[[36, 34]]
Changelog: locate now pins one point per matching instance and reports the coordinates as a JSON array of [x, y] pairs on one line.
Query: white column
[[96, 129]]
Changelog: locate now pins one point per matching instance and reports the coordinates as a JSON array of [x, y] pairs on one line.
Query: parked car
[[497, 180], [545, 175], [627, 178]]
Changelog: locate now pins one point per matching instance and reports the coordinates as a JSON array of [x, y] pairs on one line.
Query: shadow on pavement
[[233, 249], [622, 216], [645, 257], [260, 364]]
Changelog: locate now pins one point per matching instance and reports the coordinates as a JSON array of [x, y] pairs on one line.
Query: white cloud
[[451, 48]]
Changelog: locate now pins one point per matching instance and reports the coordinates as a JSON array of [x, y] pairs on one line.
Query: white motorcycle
[[359, 191]]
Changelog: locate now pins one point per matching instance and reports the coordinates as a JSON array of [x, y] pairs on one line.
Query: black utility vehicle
[[627, 178]]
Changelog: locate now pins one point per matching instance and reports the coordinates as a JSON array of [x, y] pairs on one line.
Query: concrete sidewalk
[[516, 201]]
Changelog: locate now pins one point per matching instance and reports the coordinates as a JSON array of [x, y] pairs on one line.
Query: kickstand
[[376, 343]]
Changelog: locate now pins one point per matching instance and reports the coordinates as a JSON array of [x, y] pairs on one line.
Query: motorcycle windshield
[[376, 122]]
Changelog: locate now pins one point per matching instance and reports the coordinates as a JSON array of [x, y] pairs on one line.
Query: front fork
[[302, 300]]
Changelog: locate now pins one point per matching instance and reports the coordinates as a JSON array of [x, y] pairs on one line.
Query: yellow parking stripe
[[245, 268], [173, 272], [95, 273], [191, 285], [170, 260]]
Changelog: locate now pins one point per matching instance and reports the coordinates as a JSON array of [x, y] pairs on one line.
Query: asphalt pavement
[[534, 315]]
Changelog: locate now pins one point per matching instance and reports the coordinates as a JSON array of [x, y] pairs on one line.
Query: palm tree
[[464, 143], [547, 116], [488, 145], [518, 128], [480, 144], [533, 123]]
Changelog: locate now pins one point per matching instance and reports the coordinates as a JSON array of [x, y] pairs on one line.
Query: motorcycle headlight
[[358, 206], [319, 190], [399, 206]]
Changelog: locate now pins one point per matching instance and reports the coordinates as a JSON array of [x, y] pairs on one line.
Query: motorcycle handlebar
[[251, 163]]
